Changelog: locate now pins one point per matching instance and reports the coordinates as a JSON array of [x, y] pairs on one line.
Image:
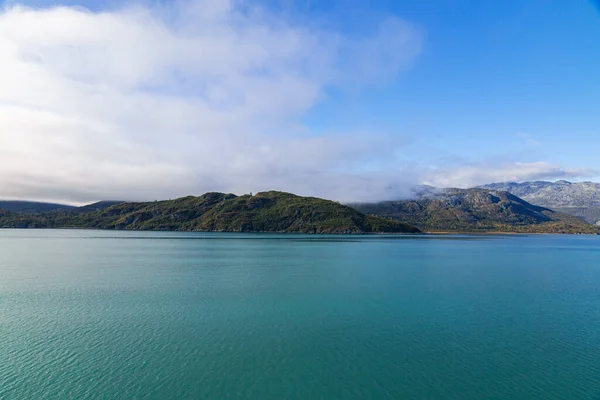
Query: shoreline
[[422, 233]]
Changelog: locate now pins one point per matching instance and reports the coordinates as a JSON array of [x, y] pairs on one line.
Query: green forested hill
[[476, 210], [32, 206], [264, 212]]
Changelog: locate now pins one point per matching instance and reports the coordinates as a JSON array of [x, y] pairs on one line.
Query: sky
[[351, 100]]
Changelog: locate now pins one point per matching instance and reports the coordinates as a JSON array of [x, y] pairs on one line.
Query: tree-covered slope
[[31, 206], [263, 212], [99, 205], [476, 210], [588, 214]]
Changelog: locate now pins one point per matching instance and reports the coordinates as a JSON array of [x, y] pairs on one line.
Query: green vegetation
[[435, 210], [476, 210], [219, 212], [31, 206], [588, 214]]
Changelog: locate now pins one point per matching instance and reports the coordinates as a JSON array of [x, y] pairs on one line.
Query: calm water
[[123, 315]]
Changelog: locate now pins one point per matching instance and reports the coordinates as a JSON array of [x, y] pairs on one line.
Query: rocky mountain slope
[[581, 199], [263, 212], [475, 210]]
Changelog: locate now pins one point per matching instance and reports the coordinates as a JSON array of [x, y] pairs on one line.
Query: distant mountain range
[[36, 207], [32, 206], [581, 199], [100, 205], [475, 210], [431, 210], [264, 212]]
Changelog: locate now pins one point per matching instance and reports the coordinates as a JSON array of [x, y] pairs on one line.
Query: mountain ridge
[[475, 210], [432, 209], [32, 206], [581, 199], [36, 207], [271, 211]]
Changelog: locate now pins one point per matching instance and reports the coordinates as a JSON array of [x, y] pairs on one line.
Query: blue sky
[[378, 96], [517, 80]]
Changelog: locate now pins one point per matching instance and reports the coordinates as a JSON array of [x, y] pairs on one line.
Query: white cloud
[[146, 102], [469, 175]]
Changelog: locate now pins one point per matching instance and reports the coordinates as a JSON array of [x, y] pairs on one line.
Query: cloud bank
[[475, 174], [152, 102]]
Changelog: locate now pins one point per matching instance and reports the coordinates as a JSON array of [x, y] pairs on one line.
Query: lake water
[[146, 315]]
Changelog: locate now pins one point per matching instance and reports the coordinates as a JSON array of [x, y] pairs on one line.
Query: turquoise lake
[[148, 315]]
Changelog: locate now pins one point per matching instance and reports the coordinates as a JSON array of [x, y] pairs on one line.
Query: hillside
[[32, 206], [581, 199], [475, 210], [219, 212], [588, 214], [100, 205]]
